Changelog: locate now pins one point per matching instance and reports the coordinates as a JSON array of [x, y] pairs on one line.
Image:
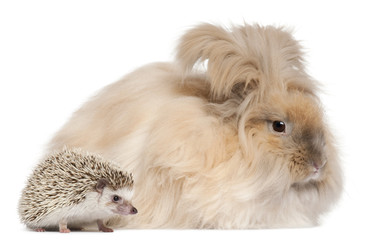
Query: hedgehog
[[71, 188]]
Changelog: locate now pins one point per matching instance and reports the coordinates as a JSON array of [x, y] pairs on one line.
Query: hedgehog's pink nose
[[133, 210]]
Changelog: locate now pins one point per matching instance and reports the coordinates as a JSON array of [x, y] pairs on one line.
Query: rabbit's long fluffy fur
[[205, 146]]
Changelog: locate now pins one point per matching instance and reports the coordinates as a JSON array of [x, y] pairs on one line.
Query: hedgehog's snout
[[133, 210], [126, 209]]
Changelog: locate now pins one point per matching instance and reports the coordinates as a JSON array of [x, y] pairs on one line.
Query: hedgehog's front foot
[[63, 227], [64, 230], [102, 227]]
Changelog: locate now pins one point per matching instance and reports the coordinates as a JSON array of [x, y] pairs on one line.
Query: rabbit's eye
[[278, 126]]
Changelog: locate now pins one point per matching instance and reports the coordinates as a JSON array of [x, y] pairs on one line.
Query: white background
[[56, 54]]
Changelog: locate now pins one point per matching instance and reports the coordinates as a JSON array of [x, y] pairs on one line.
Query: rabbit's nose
[[319, 165]]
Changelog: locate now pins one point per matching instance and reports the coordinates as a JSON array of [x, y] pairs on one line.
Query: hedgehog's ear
[[101, 184]]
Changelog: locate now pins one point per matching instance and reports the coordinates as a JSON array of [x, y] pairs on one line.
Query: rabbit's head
[[288, 134], [257, 77]]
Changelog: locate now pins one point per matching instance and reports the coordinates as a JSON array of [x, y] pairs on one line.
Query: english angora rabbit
[[230, 135]]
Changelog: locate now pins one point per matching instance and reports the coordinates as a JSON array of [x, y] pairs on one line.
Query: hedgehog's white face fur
[[114, 201]]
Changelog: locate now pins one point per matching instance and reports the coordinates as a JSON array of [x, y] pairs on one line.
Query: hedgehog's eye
[[116, 198], [278, 126]]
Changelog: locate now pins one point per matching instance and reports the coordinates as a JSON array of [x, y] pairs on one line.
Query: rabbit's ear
[[244, 59], [230, 69]]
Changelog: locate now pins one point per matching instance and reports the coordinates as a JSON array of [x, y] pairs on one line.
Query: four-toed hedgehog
[[73, 188]]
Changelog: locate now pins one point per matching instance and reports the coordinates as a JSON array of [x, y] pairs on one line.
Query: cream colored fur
[[200, 143]]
